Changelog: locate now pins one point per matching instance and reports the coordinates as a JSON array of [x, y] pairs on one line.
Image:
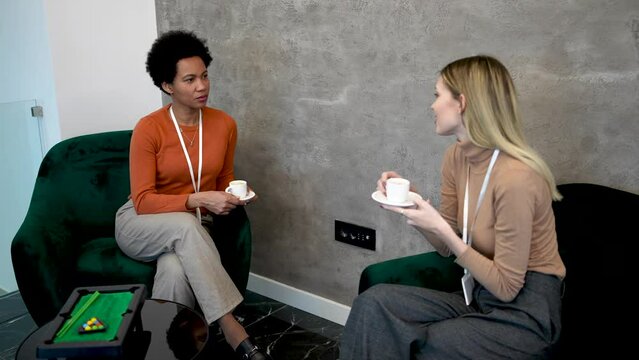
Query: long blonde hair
[[492, 115]]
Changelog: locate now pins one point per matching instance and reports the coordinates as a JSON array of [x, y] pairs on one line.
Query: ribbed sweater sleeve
[[146, 143], [448, 203]]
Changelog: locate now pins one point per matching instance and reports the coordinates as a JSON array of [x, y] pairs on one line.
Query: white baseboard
[[303, 300]]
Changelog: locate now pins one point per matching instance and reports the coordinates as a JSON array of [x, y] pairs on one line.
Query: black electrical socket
[[355, 235]]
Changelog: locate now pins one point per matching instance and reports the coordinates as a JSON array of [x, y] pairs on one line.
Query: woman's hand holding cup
[[386, 175], [381, 183], [217, 202], [240, 189]]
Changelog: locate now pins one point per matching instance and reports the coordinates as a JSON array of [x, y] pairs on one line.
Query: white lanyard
[[466, 237], [196, 188], [468, 283]]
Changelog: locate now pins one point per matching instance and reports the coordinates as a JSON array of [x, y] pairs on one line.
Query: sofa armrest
[[429, 270], [43, 264]]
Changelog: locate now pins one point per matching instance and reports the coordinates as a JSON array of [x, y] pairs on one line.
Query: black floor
[[15, 324], [285, 332]]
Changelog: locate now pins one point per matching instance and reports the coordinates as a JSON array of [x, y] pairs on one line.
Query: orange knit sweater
[[160, 178]]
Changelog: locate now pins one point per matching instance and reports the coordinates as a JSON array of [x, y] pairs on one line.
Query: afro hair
[[168, 49]]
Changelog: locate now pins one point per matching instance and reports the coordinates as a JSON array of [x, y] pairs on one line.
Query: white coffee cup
[[397, 190], [238, 188]]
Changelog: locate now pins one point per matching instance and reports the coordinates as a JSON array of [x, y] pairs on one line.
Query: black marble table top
[[285, 332]]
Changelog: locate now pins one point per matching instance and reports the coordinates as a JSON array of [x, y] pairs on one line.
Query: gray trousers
[[407, 322], [189, 267]]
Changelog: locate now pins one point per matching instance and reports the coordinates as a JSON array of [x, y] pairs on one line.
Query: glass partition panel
[[20, 157]]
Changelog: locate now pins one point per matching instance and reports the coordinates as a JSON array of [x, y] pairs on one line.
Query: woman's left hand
[[253, 199], [431, 224], [423, 216], [217, 202]]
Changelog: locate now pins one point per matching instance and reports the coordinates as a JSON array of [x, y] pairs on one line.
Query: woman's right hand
[[381, 183], [217, 202]]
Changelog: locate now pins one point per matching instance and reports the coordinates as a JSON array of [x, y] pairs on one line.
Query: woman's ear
[[462, 103], [167, 88]]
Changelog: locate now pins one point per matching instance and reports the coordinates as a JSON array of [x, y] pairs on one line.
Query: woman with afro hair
[[181, 160]]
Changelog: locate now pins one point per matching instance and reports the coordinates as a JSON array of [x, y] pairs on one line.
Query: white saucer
[[381, 198], [250, 195]]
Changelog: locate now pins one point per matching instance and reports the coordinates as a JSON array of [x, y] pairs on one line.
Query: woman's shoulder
[[155, 118], [216, 114], [219, 117], [511, 164], [512, 172]]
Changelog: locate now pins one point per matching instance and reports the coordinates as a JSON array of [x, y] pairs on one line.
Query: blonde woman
[[495, 217]]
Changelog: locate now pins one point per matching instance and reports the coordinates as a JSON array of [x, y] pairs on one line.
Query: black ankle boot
[[247, 350]]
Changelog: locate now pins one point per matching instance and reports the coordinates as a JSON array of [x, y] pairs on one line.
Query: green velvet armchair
[[596, 236], [67, 237]]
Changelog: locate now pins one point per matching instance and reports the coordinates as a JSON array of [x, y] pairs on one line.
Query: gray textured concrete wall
[[329, 93]]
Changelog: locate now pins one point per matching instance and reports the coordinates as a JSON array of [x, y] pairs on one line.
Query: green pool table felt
[[108, 307]]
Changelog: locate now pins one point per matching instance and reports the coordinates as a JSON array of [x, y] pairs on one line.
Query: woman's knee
[[171, 282], [170, 269], [380, 291], [373, 297]]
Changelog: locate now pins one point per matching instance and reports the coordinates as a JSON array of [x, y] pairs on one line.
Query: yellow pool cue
[[78, 313]]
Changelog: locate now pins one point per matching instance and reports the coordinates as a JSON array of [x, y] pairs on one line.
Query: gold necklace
[[191, 140]]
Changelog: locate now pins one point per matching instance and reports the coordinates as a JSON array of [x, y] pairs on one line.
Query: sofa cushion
[[428, 270], [102, 261]]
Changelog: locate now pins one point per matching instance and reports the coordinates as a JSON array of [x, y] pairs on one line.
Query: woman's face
[[448, 112], [190, 87]]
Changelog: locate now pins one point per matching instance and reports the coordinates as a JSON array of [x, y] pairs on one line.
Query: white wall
[[26, 73], [25, 61], [84, 62], [99, 51]]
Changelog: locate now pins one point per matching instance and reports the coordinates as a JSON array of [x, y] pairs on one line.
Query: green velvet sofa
[[597, 239], [67, 237]]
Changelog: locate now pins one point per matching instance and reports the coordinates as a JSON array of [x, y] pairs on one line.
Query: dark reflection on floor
[[285, 332]]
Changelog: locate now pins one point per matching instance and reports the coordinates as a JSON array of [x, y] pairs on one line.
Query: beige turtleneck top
[[514, 229]]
